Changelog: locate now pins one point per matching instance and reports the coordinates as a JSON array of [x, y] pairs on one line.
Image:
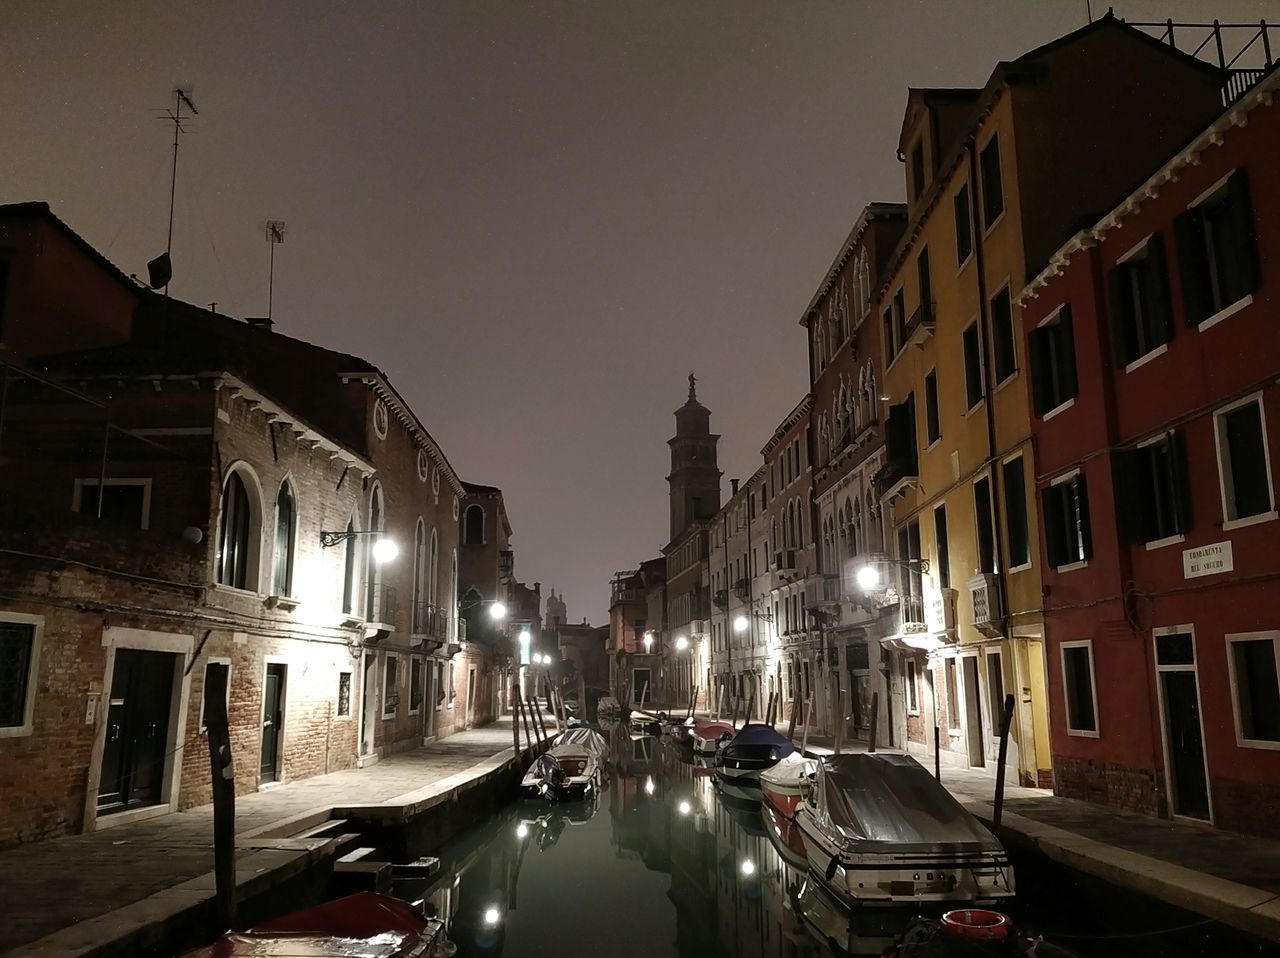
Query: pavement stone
[[51, 886]]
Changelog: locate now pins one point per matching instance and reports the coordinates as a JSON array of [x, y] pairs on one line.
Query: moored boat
[[878, 829], [570, 768], [754, 749], [785, 835], [784, 785], [709, 736], [365, 924]]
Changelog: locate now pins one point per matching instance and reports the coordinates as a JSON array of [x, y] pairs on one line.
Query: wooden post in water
[[536, 709], [524, 718], [875, 721], [751, 706], [693, 700], [733, 721], [791, 723], [1006, 718], [222, 770], [808, 713], [515, 721], [937, 753]]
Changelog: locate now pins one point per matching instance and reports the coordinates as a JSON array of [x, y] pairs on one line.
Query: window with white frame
[[1153, 494], [973, 378], [1255, 685], [1051, 350], [415, 684], [239, 533], [1078, 688], [1139, 294], [418, 615], [1017, 523], [286, 527], [19, 661], [995, 692], [1004, 352], [1217, 250], [1068, 537], [344, 694], [992, 182], [349, 566], [126, 502], [390, 686], [1244, 461]]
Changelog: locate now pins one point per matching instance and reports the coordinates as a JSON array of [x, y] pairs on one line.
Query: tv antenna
[[161, 268], [275, 230]]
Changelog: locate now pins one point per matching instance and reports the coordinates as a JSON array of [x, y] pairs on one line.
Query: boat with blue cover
[[753, 750]]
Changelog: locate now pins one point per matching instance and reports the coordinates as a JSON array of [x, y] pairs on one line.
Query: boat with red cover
[[364, 925], [709, 736]]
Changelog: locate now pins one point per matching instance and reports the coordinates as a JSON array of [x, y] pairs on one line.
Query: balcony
[[721, 598], [506, 564], [911, 613], [742, 589], [940, 612], [988, 613], [784, 560], [380, 604], [429, 622], [920, 326]]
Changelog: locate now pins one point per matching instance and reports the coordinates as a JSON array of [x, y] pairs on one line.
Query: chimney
[[259, 322], [733, 485]]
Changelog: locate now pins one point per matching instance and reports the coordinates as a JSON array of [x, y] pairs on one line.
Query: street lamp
[[384, 549], [497, 610], [740, 624], [525, 638], [869, 578], [681, 643], [648, 642]]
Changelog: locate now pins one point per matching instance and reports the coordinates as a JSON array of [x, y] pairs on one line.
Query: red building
[[1155, 360]]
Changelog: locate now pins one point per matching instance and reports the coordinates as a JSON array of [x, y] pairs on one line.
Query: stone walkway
[[52, 885]]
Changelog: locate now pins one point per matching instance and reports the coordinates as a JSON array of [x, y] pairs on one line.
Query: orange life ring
[[976, 923]]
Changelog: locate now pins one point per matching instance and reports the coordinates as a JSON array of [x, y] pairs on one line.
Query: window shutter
[[1041, 375], [1244, 269], [1121, 314], [1181, 482], [1130, 471], [1086, 532], [1156, 287], [1066, 352], [1192, 268], [1052, 501]]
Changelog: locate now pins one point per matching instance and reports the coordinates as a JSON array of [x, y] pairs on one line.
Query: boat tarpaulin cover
[[887, 802], [763, 735], [586, 738]]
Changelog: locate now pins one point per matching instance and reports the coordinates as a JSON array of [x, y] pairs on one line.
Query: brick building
[[185, 492], [1155, 362]]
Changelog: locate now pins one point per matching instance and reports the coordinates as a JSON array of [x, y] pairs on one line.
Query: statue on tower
[[693, 392]]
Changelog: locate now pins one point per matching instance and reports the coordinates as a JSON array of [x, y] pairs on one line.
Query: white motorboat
[[784, 785], [708, 736], [571, 768], [879, 829]]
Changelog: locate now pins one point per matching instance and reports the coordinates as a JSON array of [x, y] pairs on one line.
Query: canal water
[[663, 863]]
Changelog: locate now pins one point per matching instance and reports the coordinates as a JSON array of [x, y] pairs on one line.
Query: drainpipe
[[988, 397]]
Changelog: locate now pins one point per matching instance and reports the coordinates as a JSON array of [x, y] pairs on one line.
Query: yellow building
[[996, 178]]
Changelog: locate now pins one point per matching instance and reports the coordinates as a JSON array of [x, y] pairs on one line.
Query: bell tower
[[695, 477]]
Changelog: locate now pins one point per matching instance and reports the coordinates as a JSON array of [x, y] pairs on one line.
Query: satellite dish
[[159, 271]]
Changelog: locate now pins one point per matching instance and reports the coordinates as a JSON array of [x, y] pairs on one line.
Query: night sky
[[537, 219]]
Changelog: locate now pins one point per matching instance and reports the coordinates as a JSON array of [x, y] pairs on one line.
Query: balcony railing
[[920, 326], [429, 621], [911, 611], [380, 603], [785, 560]]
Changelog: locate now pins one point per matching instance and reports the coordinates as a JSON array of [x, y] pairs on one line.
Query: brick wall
[[1107, 783]]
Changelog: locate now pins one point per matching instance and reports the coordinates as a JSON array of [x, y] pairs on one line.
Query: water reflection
[[663, 862]]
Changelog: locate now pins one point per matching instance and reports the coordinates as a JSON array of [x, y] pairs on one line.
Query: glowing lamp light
[[497, 611], [868, 578], [681, 643], [684, 808], [522, 830], [648, 785], [526, 637], [748, 867], [492, 916], [648, 641], [740, 624], [385, 550]]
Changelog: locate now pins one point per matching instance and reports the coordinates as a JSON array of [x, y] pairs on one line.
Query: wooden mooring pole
[[808, 715], [693, 699], [1006, 718], [937, 753], [839, 719], [222, 769], [791, 723], [515, 720]]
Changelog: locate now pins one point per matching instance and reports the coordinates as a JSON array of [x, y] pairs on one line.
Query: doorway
[[640, 686], [974, 738], [368, 703], [273, 693], [1181, 725], [471, 697], [133, 757]]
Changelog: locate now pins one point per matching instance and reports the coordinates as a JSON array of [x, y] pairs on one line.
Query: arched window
[[349, 569], [863, 274], [239, 533], [869, 393], [433, 570], [419, 572], [373, 572], [286, 526], [856, 526], [819, 343], [453, 602], [473, 526]]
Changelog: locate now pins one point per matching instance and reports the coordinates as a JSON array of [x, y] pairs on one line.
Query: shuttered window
[[1015, 509], [964, 225], [900, 439], [890, 347], [1077, 686], [992, 185], [1138, 289], [943, 546], [933, 426], [1004, 353], [1052, 351], [985, 519], [1068, 537], [1217, 251], [1257, 687], [17, 642], [1153, 497], [286, 518], [972, 365], [1243, 462], [233, 534]]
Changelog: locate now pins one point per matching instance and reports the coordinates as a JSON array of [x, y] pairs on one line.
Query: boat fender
[[832, 866], [978, 923]]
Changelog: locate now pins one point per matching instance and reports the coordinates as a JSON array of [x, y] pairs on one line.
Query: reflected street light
[[492, 915], [684, 808], [748, 867]]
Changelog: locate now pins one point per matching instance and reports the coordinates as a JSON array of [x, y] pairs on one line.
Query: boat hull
[[979, 877], [781, 798]]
